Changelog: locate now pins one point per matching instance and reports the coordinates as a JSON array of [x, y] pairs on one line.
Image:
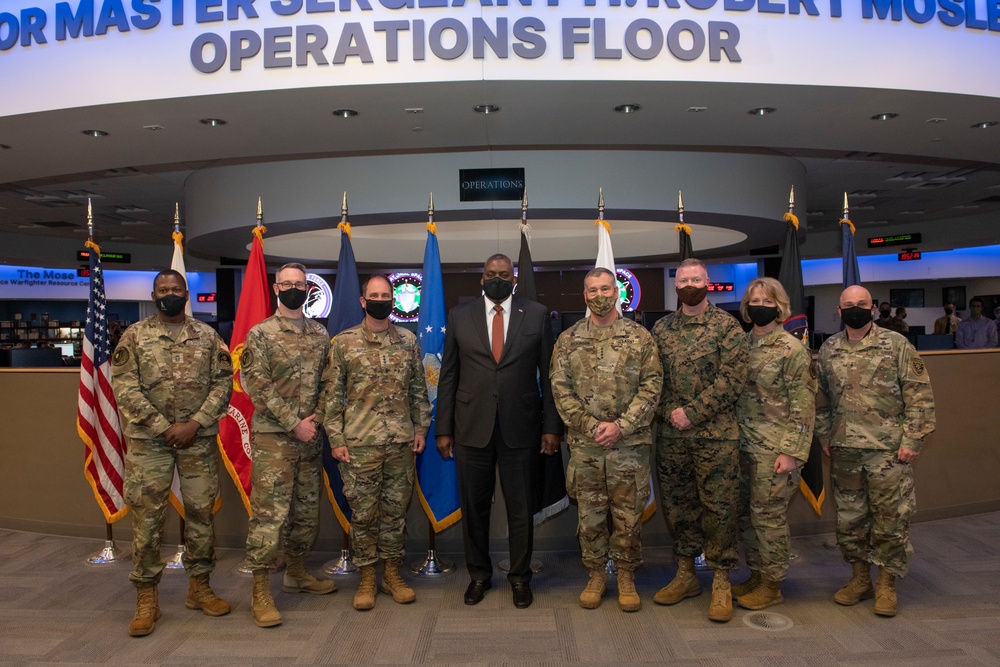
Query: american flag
[[97, 413]]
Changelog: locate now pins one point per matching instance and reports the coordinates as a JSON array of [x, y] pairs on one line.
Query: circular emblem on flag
[[405, 296], [432, 373], [628, 289], [319, 297]]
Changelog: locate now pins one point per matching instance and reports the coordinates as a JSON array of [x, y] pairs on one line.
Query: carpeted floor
[[57, 610]]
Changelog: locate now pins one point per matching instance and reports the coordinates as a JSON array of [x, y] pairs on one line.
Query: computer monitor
[[65, 348]]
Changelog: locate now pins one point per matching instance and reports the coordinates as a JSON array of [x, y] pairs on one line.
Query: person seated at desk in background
[[977, 332]]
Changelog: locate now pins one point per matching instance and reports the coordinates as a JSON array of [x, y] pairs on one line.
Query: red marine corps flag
[[97, 412], [254, 307]]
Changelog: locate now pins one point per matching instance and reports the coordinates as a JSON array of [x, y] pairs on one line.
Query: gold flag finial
[[524, 203], [90, 219], [600, 204], [260, 212], [846, 209], [343, 207], [680, 206], [430, 206], [177, 217], [791, 200]]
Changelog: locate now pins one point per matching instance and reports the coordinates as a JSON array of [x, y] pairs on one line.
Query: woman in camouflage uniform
[[776, 413]]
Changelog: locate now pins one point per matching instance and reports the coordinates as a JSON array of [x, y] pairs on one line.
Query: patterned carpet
[[57, 610]]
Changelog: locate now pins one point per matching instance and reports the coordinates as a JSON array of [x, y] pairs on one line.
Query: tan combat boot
[[201, 596], [885, 593], [684, 584], [721, 607], [298, 580], [591, 596], [739, 590], [364, 599], [858, 588], [767, 594], [393, 584], [147, 610], [628, 599], [265, 614]]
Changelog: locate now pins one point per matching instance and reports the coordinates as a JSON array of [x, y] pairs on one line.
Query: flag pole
[[344, 564], [431, 566], [110, 553]]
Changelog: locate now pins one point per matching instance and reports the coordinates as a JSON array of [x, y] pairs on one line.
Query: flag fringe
[[233, 474], [814, 502], [341, 519], [109, 516], [437, 524]]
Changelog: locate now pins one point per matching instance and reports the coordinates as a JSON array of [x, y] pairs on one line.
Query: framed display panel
[[907, 297], [955, 295]]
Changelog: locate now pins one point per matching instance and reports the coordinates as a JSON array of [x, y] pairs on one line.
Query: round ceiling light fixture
[[628, 108], [344, 113], [213, 122], [761, 111], [888, 115], [486, 108], [985, 124], [95, 133]]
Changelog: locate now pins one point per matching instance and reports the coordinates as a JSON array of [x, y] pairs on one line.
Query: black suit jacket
[[473, 389]]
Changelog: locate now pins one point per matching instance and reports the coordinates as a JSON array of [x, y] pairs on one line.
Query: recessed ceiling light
[[627, 108], [344, 113], [417, 129], [697, 109], [985, 124], [95, 133], [761, 111], [937, 120], [486, 108], [212, 122], [888, 115], [414, 109], [152, 128], [936, 139]]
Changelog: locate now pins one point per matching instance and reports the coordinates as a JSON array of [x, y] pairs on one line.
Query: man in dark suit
[[495, 403]]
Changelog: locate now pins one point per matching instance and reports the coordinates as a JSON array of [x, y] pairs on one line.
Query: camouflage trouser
[[699, 494], [614, 481], [875, 499], [149, 471], [284, 498], [763, 517], [378, 484]]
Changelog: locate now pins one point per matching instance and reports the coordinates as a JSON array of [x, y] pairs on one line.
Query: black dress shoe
[[477, 590], [522, 594]]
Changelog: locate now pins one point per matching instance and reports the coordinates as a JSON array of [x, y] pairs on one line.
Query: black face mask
[[292, 299], [171, 305], [378, 309], [948, 311], [498, 289], [856, 317], [762, 315], [885, 314]]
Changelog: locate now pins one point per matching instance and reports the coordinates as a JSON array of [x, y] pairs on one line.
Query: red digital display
[[721, 287], [206, 297], [909, 256], [83, 273]]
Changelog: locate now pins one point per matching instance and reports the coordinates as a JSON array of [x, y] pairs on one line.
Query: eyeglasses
[[289, 285]]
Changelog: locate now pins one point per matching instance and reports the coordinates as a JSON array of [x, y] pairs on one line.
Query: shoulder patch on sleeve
[[813, 369], [917, 364], [121, 356], [246, 359], [224, 359]]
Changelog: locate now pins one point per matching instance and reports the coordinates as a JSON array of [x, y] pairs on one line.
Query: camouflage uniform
[[607, 374], [776, 413], [375, 402], [158, 381], [281, 368], [875, 397], [704, 368]]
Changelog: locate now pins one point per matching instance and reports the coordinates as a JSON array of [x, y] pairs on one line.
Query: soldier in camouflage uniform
[[704, 355], [875, 408], [172, 380], [376, 415], [281, 368], [606, 381], [776, 413]]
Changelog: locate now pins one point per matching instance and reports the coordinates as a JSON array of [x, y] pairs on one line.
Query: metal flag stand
[[110, 553], [431, 566], [345, 563], [177, 561]]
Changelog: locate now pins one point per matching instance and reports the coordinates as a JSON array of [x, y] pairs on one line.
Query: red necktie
[[497, 333]]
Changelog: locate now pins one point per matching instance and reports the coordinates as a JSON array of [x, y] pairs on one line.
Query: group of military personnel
[[727, 416]]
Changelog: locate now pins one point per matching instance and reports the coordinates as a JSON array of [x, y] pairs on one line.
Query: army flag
[[437, 479], [345, 312], [97, 420], [551, 490], [254, 307]]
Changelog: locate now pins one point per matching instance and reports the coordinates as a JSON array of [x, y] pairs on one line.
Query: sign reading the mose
[[319, 43], [491, 184]]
